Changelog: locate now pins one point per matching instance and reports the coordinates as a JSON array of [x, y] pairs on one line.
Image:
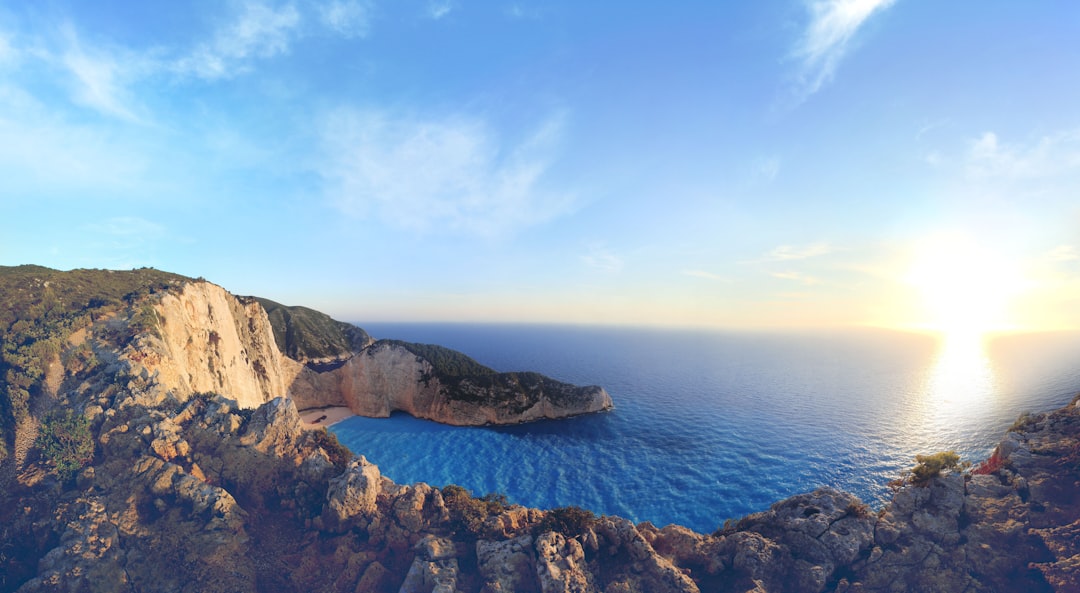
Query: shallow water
[[715, 425]]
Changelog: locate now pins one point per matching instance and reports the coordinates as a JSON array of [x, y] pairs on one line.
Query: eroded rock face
[[201, 339], [207, 341], [196, 493], [352, 495], [387, 378]]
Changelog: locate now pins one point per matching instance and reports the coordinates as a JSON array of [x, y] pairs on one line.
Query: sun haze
[[722, 164]]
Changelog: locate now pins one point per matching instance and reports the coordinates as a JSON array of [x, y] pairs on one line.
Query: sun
[[964, 290]]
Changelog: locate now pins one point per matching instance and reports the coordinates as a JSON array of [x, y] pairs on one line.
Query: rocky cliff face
[[386, 377], [201, 339], [209, 497], [188, 491]]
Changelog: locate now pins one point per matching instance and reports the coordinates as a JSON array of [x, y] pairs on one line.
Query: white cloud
[[1063, 253], [41, 153], [349, 18], [439, 8], [128, 226], [601, 258], [795, 252], [767, 169], [1050, 155], [8, 54], [797, 277], [704, 275], [99, 77], [452, 174], [259, 31], [833, 23]]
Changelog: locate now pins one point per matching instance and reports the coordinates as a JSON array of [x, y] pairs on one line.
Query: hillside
[[312, 337], [161, 450]]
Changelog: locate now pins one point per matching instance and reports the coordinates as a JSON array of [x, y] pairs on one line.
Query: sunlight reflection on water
[[961, 379], [959, 390]]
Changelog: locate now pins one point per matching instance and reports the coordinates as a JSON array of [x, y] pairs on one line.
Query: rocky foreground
[[193, 483]]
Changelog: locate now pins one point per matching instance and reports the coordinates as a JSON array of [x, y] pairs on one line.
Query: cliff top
[[308, 335]]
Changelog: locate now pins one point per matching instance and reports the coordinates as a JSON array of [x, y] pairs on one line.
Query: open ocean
[[715, 425]]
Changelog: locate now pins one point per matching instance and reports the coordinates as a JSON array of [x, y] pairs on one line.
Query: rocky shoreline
[[198, 478]]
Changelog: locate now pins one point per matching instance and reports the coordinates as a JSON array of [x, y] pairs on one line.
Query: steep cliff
[[181, 490], [391, 376], [204, 340], [201, 339]]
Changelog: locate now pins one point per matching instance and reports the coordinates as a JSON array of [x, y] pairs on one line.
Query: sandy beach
[[319, 417]]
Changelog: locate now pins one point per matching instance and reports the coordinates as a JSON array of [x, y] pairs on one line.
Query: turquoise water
[[714, 425]]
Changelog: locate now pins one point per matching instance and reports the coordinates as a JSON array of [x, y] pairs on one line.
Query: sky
[[897, 163]]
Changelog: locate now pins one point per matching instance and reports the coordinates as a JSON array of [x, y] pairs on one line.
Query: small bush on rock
[[930, 466], [66, 443], [467, 513], [339, 454], [570, 521]]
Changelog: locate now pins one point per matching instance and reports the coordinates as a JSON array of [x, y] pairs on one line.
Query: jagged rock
[[635, 565], [560, 565], [88, 557], [274, 426], [507, 565], [434, 569], [352, 494]]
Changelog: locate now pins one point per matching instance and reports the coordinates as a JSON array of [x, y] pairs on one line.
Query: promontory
[[152, 442]]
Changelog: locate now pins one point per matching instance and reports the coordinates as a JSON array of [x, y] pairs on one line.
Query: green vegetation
[[928, 467], [1026, 421], [66, 443], [42, 308], [305, 334], [570, 521], [339, 454], [859, 510], [466, 380], [468, 514], [448, 364]]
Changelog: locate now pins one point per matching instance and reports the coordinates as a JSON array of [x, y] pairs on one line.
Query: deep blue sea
[[715, 425]]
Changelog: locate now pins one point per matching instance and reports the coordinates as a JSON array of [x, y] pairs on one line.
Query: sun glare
[[964, 290]]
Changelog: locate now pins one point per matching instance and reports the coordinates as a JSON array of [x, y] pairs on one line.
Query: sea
[[714, 425]]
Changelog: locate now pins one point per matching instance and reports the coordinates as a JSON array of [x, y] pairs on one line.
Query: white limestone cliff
[[202, 339]]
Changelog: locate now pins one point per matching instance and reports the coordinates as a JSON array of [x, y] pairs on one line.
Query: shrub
[[1024, 422], [339, 454], [66, 443], [570, 521], [930, 466], [859, 510], [468, 514]]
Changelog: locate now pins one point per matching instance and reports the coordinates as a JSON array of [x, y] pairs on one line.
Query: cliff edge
[[127, 475], [201, 339]]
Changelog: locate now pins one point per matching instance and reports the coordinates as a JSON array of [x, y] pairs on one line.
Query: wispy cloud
[[796, 252], [827, 39], [1049, 155], [349, 18], [128, 226], [797, 277], [704, 275], [1063, 253], [439, 8], [599, 257], [100, 78], [766, 169], [258, 31], [8, 53], [426, 174]]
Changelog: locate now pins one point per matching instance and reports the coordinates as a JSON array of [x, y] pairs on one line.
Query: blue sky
[[752, 164]]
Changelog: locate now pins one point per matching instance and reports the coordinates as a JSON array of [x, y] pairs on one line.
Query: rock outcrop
[[189, 491], [201, 339]]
